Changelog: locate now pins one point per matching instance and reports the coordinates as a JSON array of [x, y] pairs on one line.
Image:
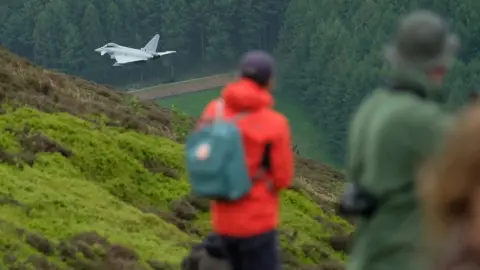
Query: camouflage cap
[[258, 66], [422, 41]]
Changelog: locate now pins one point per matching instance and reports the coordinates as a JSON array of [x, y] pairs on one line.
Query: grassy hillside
[[94, 179], [305, 134]]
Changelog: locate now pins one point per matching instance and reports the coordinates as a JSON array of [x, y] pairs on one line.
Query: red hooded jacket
[[258, 211]]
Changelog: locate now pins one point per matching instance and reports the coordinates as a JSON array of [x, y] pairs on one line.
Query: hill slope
[[94, 179]]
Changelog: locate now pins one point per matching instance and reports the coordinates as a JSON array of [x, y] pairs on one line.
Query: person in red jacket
[[247, 227]]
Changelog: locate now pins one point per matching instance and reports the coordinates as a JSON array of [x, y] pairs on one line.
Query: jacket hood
[[418, 83], [246, 95]]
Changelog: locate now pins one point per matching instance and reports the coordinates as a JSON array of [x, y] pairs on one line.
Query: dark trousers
[[260, 252]]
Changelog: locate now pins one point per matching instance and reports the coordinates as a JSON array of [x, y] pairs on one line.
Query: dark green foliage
[[329, 52], [330, 56], [208, 35]]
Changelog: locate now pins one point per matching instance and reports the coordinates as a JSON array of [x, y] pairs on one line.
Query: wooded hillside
[[329, 51], [62, 34]]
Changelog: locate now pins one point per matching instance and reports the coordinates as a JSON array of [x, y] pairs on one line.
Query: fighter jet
[[125, 55]]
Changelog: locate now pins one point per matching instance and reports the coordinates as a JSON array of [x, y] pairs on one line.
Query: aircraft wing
[[164, 53], [123, 59]]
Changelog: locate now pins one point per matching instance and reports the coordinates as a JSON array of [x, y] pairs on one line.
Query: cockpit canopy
[[111, 45]]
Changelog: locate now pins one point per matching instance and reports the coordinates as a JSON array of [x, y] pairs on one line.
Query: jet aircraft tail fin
[[152, 45]]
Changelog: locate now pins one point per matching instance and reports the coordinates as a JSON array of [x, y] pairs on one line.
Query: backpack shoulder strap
[[264, 168], [220, 108], [220, 111], [262, 171]]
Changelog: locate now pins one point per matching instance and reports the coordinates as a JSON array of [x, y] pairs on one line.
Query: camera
[[357, 202]]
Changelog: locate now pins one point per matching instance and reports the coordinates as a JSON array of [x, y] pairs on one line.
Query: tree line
[[331, 56], [329, 52], [208, 34]]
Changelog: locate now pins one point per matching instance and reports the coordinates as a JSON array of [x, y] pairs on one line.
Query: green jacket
[[391, 134]]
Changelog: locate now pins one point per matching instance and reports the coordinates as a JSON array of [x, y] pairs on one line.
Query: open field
[[305, 134]]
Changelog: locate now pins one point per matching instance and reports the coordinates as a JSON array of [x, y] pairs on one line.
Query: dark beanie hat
[[258, 66]]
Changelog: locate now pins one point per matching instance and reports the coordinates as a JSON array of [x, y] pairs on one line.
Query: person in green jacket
[[394, 130]]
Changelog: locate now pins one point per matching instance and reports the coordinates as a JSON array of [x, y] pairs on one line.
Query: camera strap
[[358, 168], [359, 152]]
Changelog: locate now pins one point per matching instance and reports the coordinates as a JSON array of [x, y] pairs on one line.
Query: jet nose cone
[[100, 50]]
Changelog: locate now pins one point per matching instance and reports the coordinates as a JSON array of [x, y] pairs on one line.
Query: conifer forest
[[329, 53]]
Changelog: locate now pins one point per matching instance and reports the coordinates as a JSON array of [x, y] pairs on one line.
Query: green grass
[[305, 134], [193, 103], [101, 187], [105, 183]]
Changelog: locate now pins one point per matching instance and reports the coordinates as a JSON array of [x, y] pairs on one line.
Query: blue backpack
[[215, 159]]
